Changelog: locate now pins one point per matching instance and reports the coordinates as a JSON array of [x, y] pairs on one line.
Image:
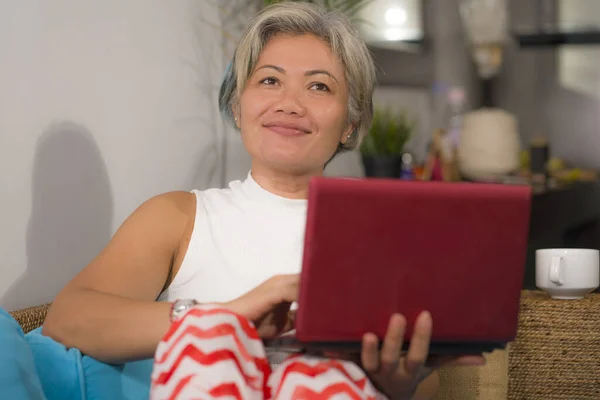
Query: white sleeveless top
[[242, 236]]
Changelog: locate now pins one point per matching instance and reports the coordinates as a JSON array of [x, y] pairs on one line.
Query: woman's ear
[[348, 132], [236, 116]]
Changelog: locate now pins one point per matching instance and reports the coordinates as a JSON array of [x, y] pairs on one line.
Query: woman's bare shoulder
[[162, 218], [170, 208], [176, 202]]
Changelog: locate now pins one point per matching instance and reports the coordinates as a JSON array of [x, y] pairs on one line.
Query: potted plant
[[382, 148]]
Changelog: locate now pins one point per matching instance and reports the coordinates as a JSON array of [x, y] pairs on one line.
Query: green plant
[[388, 133]]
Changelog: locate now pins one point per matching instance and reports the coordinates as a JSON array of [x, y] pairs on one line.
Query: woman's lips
[[285, 131], [288, 128]]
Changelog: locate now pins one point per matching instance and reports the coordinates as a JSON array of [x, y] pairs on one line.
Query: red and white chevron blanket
[[212, 353]]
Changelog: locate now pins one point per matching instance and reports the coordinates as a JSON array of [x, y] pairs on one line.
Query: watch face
[[180, 306]]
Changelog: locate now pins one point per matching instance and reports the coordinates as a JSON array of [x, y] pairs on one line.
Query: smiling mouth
[[285, 130]]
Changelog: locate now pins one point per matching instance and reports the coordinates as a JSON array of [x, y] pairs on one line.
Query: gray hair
[[298, 18]]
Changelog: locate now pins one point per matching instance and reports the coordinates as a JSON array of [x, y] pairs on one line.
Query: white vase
[[489, 144]]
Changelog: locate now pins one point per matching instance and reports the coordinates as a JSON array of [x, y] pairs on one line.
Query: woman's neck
[[283, 184]]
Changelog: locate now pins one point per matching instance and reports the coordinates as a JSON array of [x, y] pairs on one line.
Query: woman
[[300, 91]]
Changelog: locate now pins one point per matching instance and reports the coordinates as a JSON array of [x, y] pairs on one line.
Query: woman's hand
[[268, 304], [397, 375]]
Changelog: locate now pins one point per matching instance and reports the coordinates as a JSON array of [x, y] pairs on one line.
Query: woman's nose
[[291, 103]]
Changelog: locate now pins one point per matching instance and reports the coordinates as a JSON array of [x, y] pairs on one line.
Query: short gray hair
[[298, 18]]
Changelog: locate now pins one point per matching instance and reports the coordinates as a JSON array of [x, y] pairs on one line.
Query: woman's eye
[[321, 87], [269, 81]]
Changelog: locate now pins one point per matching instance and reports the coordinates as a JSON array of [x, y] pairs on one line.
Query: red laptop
[[375, 247]]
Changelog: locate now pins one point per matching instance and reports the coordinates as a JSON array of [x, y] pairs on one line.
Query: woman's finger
[[392, 344], [369, 355], [280, 316], [419, 344]]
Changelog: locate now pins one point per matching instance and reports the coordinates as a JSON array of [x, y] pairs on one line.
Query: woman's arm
[[108, 310]]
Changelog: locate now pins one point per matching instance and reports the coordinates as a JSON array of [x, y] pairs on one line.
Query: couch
[[556, 354]]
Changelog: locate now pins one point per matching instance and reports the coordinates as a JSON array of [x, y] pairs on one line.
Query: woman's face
[[293, 110]]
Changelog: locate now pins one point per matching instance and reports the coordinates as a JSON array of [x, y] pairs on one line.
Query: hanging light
[[391, 23], [486, 26]]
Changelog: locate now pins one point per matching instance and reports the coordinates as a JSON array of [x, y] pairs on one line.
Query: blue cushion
[[36, 367], [58, 368], [66, 374], [130, 381], [18, 376]]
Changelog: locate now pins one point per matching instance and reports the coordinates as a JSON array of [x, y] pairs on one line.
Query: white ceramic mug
[[567, 273]]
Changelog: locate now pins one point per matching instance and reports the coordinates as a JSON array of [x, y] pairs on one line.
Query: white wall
[[572, 99], [578, 65], [103, 104]]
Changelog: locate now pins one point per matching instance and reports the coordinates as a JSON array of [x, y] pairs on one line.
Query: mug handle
[[557, 271]]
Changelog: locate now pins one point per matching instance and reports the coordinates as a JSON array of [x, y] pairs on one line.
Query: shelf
[[558, 38], [408, 46]]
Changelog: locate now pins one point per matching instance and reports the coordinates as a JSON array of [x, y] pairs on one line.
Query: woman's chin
[[288, 163]]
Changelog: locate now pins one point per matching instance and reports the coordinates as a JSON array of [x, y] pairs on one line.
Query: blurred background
[[104, 104]]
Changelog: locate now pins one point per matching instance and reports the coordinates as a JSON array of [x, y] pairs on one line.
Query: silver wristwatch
[[180, 306]]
